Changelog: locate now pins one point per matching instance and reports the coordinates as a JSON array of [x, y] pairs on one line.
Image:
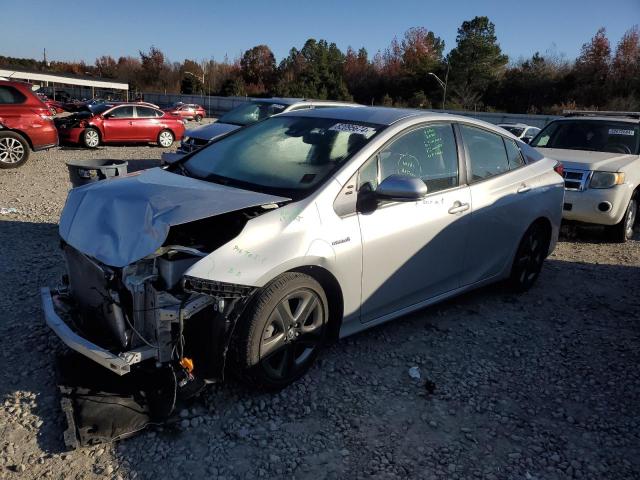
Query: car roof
[[292, 101], [599, 119], [377, 115], [519, 125]]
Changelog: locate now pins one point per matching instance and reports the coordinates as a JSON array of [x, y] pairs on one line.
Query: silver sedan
[[252, 253]]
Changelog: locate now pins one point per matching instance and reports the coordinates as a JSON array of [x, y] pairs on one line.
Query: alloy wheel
[[630, 219], [530, 256], [91, 138], [166, 139], [11, 150], [292, 334]]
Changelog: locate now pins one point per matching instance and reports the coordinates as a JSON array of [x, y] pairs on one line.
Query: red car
[[25, 124], [188, 111], [55, 106], [122, 123]]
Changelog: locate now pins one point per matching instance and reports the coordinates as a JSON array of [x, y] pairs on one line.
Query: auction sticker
[[618, 131], [352, 128]]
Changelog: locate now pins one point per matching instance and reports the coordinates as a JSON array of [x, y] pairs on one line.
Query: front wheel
[[165, 138], [14, 150], [623, 230], [91, 138], [529, 258], [282, 332]]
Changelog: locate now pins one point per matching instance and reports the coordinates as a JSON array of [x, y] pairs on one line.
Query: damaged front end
[[146, 314], [126, 302]]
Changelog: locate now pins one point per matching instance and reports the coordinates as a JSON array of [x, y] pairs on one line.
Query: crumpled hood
[[211, 131], [122, 220], [586, 160]]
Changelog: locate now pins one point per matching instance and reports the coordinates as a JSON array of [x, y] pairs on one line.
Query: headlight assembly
[[606, 179]]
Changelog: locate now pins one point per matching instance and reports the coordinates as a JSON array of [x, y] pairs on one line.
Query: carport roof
[[62, 78]]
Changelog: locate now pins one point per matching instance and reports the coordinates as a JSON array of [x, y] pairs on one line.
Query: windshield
[[517, 131], [596, 136], [98, 109], [282, 155], [251, 112]]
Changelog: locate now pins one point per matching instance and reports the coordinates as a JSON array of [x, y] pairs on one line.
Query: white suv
[[600, 152]]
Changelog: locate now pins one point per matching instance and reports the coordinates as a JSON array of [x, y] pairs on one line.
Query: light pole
[[442, 84]]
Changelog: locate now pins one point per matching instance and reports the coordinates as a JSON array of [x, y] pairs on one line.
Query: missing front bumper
[[120, 364]]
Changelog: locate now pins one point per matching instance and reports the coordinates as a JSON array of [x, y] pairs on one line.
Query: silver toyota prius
[[249, 255]]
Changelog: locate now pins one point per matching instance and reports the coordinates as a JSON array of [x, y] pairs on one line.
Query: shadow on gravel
[[581, 233]]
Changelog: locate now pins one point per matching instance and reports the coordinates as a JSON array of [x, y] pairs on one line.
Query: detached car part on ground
[[243, 115], [26, 124], [252, 253], [600, 152], [121, 123]]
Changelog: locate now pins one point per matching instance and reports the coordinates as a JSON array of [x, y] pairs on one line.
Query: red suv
[[188, 111], [25, 124], [122, 123]]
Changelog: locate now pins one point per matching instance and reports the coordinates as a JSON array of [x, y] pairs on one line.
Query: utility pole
[[442, 84]]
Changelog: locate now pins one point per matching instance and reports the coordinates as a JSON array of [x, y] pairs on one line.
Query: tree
[[477, 60], [107, 66], [592, 70], [626, 65], [258, 66], [316, 71]]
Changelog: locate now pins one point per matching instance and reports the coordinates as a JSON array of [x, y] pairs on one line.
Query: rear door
[[146, 124], [118, 124], [502, 198]]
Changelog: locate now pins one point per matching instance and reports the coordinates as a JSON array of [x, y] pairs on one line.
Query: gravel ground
[[543, 385]]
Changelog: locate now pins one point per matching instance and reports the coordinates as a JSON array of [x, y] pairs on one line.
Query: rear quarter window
[[11, 96]]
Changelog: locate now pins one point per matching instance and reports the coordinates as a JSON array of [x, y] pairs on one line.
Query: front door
[[118, 124], [414, 251]]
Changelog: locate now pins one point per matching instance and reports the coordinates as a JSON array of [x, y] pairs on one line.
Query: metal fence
[[219, 105]]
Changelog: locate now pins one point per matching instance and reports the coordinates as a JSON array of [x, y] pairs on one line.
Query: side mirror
[[401, 188]]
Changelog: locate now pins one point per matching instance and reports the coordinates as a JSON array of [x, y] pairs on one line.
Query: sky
[[80, 30]]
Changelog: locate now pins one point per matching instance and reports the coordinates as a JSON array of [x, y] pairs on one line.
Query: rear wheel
[[90, 138], [529, 258], [623, 230], [197, 118], [14, 150], [282, 332], [165, 138]]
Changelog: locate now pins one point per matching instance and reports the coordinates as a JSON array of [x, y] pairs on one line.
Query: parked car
[[522, 131], [123, 123], [26, 124], [253, 252], [601, 156], [247, 114], [188, 111], [54, 106]]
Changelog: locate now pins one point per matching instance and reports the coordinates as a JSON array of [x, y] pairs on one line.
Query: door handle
[[523, 188], [130, 123], [458, 207]]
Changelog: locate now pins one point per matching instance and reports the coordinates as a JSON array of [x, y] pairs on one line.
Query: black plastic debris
[[82, 172], [102, 407]]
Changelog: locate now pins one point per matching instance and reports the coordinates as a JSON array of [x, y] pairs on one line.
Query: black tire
[[166, 138], [623, 230], [529, 258], [272, 351], [90, 138], [14, 150], [198, 118]]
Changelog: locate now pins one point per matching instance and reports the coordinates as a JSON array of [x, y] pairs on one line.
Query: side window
[[122, 112], [428, 153], [513, 153], [11, 96], [487, 153], [146, 112]]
